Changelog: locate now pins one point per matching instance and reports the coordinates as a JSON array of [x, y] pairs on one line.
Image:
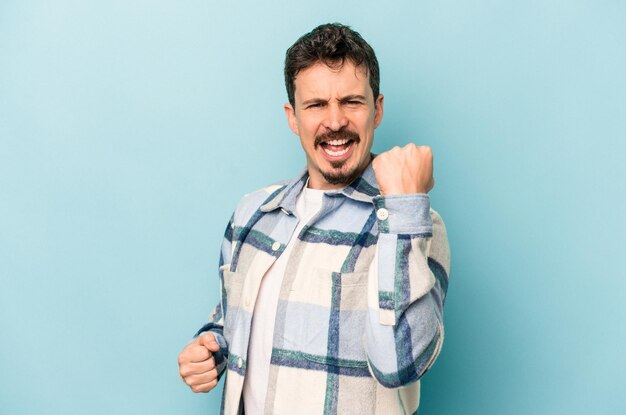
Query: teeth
[[336, 153], [338, 142]]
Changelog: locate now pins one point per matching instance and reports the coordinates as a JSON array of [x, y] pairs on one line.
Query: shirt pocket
[[333, 329]]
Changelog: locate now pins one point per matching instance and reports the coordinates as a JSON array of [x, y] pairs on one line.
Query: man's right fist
[[196, 364]]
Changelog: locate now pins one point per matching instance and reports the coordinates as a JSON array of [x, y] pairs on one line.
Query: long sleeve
[[407, 287], [215, 324]]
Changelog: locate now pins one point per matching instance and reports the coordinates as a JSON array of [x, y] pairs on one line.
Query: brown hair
[[331, 44]]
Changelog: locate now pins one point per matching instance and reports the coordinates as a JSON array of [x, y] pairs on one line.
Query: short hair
[[332, 44]]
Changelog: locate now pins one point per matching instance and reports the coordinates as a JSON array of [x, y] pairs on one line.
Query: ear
[[379, 110], [290, 112]]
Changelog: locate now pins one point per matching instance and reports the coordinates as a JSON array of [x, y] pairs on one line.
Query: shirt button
[[239, 362], [276, 246], [247, 301], [382, 213]]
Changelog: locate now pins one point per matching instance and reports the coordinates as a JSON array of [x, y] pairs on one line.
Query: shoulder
[[251, 202]]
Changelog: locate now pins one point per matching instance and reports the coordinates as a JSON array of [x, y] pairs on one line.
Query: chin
[[339, 176]]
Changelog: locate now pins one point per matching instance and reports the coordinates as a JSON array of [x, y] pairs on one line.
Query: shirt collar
[[363, 189]]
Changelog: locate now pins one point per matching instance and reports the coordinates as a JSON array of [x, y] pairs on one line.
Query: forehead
[[322, 81]]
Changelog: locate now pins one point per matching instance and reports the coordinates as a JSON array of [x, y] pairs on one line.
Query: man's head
[[334, 105], [332, 44]]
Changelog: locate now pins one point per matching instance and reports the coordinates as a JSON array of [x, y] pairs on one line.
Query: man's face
[[335, 116]]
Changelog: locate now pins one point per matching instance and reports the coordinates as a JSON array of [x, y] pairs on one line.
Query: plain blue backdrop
[[129, 130]]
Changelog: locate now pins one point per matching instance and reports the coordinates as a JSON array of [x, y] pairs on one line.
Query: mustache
[[336, 135]]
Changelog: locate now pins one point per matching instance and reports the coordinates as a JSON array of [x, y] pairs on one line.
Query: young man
[[333, 283]]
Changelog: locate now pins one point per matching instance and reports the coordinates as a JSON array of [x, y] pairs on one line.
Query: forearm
[[408, 283], [215, 324]]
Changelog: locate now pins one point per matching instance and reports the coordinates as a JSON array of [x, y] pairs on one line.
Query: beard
[[338, 175]]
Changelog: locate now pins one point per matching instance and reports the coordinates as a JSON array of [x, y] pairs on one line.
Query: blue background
[[129, 130]]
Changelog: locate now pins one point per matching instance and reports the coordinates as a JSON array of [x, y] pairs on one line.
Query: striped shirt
[[360, 309]]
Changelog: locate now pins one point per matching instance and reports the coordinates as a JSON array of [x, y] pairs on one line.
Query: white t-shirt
[[308, 203]]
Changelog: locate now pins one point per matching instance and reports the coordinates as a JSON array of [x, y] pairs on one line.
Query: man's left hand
[[404, 170]]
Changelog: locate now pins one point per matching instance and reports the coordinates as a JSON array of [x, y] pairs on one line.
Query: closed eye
[[353, 102], [316, 105]]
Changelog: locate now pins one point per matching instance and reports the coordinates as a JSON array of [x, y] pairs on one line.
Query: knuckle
[[194, 381]]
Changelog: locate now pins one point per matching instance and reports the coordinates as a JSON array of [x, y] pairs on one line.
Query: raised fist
[[404, 170], [196, 364]]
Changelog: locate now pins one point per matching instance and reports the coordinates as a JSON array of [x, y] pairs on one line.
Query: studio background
[[130, 129]]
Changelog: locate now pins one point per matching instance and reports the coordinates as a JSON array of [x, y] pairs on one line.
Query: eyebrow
[[352, 98], [313, 101]]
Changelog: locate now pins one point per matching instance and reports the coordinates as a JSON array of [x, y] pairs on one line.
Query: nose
[[336, 118]]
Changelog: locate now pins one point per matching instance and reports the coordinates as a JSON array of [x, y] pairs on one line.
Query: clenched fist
[[404, 170], [196, 364]]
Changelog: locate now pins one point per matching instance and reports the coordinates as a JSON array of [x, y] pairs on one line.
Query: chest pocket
[[333, 319]]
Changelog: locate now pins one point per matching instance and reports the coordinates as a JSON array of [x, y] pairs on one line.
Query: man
[[333, 283]]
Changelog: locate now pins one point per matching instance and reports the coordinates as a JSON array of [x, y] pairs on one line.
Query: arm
[[215, 324], [408, 279], [203, 360], [408, 283]]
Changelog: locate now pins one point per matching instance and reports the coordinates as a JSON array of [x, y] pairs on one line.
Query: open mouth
[[337, 148]]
